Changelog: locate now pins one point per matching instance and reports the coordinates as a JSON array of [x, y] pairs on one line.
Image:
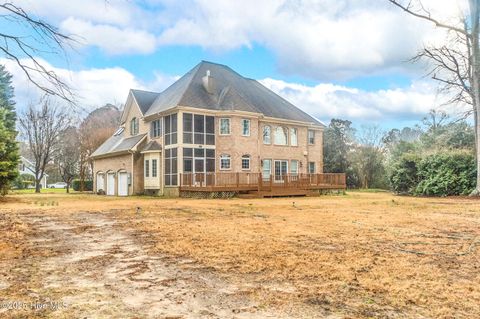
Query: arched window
[[225, 162], [281, 135], [246, 162], [267, 134], [134, 126]]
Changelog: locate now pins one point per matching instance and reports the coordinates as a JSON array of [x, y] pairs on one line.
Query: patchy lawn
[[360, 255]]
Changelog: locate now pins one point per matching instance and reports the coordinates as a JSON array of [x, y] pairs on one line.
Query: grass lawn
[[365, 254], [42, 191]]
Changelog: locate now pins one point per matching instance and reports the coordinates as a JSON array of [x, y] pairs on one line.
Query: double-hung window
[[224, 126], [156, 128], [134, 126], [293, 137], [245, 127], [245, 162], [154, 168], [147, 168], [225, 162], [311, 137], [294, 167], [267, 134]]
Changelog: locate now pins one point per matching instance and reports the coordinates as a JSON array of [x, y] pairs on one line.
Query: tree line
[[434, 158], [61, 144], [53, 138]]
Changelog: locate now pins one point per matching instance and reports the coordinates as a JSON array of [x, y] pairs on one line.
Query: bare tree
[[43, 38], [41, 127], [368, 156], [435, 119], [95, 129], [67, 155], [456, 64]]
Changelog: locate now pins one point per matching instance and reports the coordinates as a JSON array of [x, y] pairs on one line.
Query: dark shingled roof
[[152, 146], [118, 143], [144, 99], [232, 92]]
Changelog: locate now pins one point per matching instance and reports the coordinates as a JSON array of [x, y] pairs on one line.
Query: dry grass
[[360, 255]]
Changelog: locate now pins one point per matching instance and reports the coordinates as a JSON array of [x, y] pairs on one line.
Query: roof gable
[[232, 92]]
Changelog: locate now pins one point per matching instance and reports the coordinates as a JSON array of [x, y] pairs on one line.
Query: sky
[[332, 58]]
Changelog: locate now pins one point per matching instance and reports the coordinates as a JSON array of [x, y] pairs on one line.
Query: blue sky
[[343, 58]]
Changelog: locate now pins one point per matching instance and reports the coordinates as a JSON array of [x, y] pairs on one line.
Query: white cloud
[[319, 39], [118, 12], [326, 101], [113, 40], [97, 86], [92, 87]]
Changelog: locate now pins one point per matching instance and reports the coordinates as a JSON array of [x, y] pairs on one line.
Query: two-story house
[[211, 121]]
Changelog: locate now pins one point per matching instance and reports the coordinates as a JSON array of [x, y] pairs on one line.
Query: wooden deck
[[262, 186]]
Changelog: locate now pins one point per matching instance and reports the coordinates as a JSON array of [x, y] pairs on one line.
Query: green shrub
[[446, 174], [24, 181], [403, 175], [88, 185]]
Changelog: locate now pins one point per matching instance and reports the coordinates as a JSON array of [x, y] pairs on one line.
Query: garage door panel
[[122, 184], [100, 182], [111, 184]]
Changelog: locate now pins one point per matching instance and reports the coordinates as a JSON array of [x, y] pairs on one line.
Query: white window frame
[[314, 168], [154, 167], [134, 123], [292, 141], [279, 178], [243, 127], [269, 171], [295, 173], [284, 129], [269, 134], [313, 136], [158, 130], [147, 168], [225, 157], [247, 159], [220, 126]]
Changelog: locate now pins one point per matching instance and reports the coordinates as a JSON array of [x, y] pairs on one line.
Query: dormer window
[[134, 126]]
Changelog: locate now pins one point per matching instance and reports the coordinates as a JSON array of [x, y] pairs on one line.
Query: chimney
[[208, 83]]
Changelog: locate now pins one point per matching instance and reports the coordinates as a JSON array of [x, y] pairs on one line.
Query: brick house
[[211, 122]]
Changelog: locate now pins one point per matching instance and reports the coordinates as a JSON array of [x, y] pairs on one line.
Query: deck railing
[[256, 181]]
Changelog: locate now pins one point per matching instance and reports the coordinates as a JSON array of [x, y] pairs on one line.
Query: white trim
[[247, 157], [229, 162], [286, 138], [249, 127], [220, 126], [263, 134]]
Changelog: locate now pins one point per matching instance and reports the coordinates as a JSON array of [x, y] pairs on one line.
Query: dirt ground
[[362, 255]]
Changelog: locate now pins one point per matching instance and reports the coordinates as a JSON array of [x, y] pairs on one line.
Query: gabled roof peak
[[229, 91]]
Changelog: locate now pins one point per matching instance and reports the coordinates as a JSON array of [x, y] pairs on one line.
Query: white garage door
[[100, 182], [110, 184], [122, 184]]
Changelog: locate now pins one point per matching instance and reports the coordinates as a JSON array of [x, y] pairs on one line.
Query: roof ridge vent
[[208, 83]]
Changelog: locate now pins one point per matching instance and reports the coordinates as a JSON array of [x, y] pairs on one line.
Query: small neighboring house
[[27, 167], [210, 126]]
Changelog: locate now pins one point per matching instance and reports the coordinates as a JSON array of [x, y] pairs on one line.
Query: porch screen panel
[[171, 170]]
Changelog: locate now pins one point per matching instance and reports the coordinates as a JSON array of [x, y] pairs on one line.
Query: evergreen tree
[[8, 146]]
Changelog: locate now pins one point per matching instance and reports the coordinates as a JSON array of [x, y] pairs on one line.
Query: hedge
[[447, 174], [88, 185]]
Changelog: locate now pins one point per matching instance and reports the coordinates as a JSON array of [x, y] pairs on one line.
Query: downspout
[[132, 174]]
